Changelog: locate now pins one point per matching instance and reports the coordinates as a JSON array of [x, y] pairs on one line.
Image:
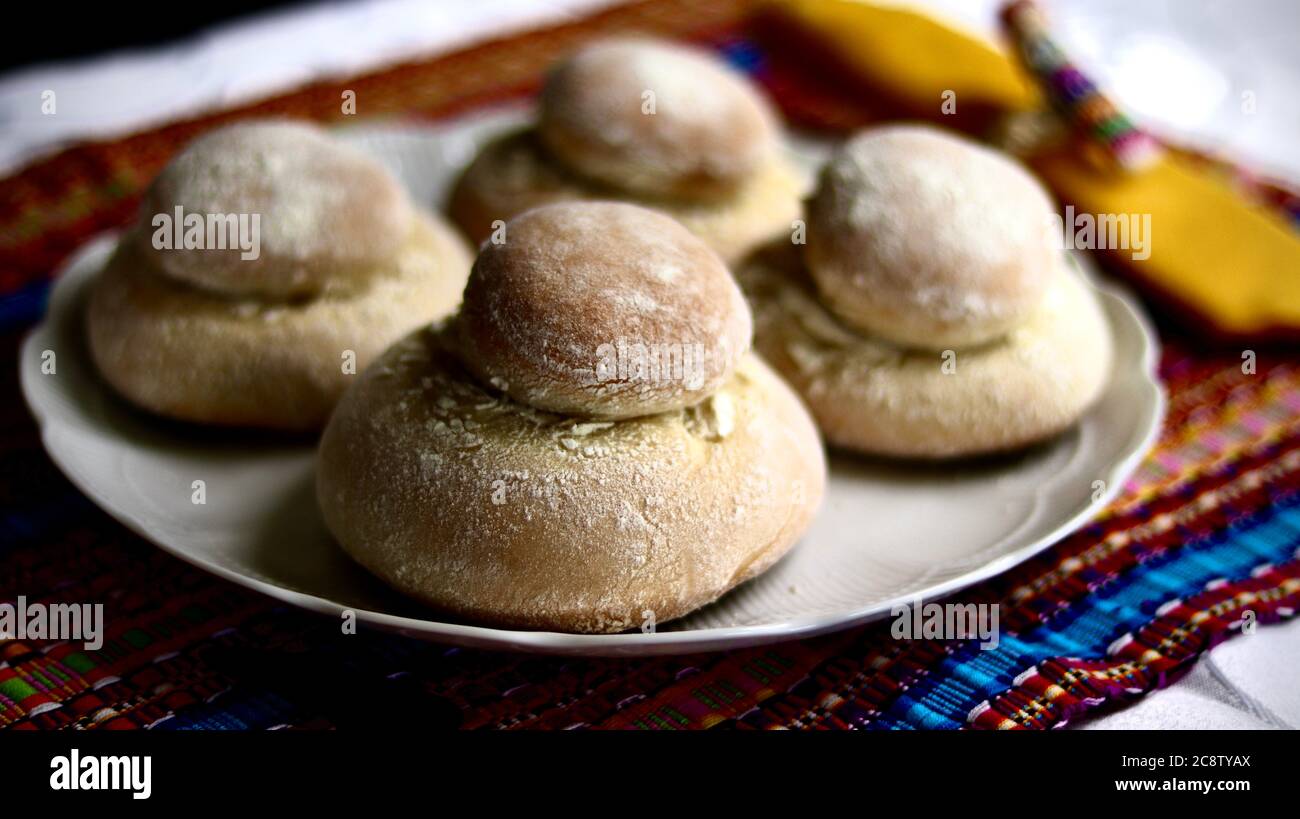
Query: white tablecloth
[[1186, 67]]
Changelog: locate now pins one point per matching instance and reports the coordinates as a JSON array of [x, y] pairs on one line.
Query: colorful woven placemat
[[1206, 530]]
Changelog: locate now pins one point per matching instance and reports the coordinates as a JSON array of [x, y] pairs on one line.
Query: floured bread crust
[[928, 240], [496, 512], [188, 353], [875, 397], [656, 119], [328, 214], [513, 173], [556, 314]]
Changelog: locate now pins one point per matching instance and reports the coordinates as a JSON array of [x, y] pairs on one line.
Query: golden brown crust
[[190, 354], [601, 310], [498, 513], [656, 119], [513, 173]]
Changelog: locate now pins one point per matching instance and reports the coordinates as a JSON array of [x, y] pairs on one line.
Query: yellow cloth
[[1233, 262], [916, 57]]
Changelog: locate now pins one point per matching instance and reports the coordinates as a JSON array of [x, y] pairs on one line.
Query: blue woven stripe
[[970, 676], [24, 306], [234, 710], [42, 519]]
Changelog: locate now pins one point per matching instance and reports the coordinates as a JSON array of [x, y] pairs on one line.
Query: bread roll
[[655, 119], [511, 175], [186, 353], [927, 240], [495, 512], [328, 215], [443, 472], [709, 154], [873, 396], [602, 310]]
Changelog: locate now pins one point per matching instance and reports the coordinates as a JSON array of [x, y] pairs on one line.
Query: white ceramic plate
[[887, 534]]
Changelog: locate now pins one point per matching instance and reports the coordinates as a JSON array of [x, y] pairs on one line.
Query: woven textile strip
[[1205, 531]]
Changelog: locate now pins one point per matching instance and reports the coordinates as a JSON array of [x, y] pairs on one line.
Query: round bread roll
[[328, 216], [656, 119], [601, 310], [513, 174], [872, 396], [187, 353], [498, 513], [928, 240]]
